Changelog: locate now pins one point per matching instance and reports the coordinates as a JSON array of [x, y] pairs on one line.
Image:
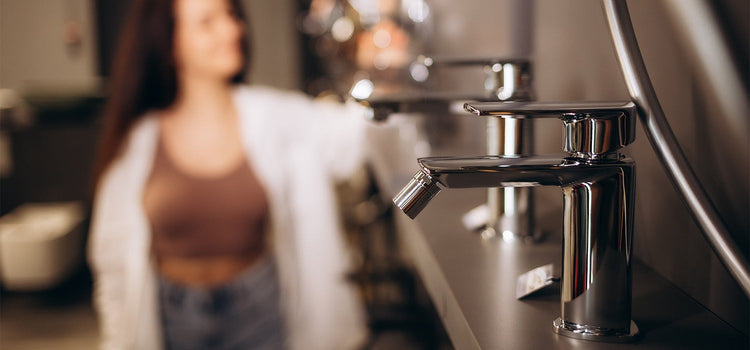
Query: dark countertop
[[472, 284]]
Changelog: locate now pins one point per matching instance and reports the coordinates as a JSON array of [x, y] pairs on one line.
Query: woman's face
[[208, 39]]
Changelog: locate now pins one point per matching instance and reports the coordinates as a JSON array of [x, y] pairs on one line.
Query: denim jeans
[[242, 314]]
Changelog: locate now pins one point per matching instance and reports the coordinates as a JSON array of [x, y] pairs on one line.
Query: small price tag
[[534, 281]]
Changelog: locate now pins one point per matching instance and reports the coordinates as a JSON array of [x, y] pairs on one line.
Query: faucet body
[[598, 200], [598, 187]]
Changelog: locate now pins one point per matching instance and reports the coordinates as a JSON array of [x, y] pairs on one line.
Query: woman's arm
[[343, 137], [337, 134]]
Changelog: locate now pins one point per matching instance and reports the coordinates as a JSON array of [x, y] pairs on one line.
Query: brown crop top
[[202, 217]]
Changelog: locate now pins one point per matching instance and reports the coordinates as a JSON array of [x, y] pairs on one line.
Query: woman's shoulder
[[143, 132]]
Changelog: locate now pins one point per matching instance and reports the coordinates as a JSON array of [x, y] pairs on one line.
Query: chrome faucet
[[598, 185], [510, 210]]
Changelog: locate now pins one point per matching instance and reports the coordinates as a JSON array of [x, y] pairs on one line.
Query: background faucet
[[598, 185], [510, 210]]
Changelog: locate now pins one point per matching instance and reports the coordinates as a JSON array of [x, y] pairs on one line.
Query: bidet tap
[[598, 185]]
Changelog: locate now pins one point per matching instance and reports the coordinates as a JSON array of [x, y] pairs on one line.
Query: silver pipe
[[665, 144]]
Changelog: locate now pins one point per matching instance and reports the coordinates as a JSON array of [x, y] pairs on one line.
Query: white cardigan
[[298, 147]]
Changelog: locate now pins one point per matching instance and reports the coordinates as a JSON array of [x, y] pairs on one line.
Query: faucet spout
[[513, 171], [494, 171], [416, 194]]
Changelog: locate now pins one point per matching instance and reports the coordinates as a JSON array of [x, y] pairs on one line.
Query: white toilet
[[41, 245]]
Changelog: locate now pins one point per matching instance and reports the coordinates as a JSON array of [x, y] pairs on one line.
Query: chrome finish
[[598, 201], [591, 130], [437, 61], [577, 331], [425, 102], [511, 210], [511, 171], [598, 186], [508, 78], [584, 137], [549, 109], [666, 146], [415, 196]]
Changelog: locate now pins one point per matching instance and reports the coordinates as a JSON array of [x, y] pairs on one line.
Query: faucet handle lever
[[507, 78], [562, 110], [431, 61], [593, 130]]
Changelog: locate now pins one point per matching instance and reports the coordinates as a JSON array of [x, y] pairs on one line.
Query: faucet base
[[590, 333]]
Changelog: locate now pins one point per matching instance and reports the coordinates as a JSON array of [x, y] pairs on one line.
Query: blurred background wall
[[58, 45]]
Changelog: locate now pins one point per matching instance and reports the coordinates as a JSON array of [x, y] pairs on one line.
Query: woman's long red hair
[[143, 75]]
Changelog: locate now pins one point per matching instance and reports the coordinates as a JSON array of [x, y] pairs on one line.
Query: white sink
[[41, 244]]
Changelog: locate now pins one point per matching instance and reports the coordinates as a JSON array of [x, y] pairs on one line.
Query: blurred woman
[[214, 221]]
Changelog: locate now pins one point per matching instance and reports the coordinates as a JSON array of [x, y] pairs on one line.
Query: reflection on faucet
[[598, 185], [510, 210]]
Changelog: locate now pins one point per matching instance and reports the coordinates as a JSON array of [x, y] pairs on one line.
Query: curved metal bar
[[665, 144]]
